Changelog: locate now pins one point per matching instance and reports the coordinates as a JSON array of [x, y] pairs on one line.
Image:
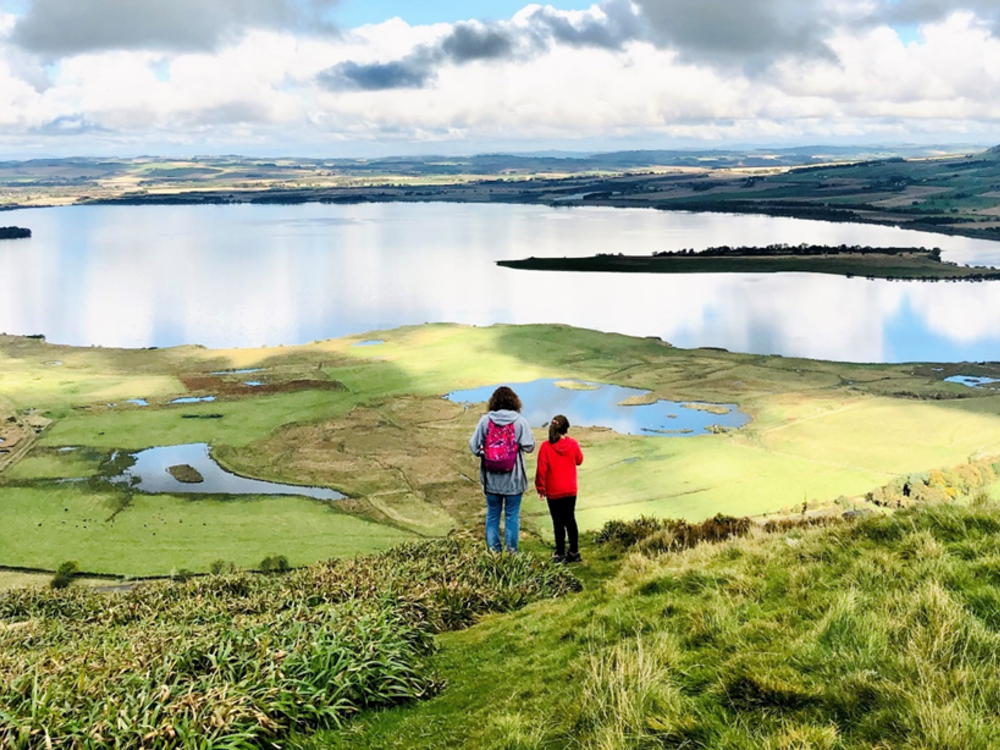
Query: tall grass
[[883, 632], [240, 661]]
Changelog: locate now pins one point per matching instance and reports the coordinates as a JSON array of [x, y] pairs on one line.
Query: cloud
[[475, 41], [618, 24], [74, 124], [532, 32], [749, 34], [402, 74], [56, 28], [929, 11], [604, 78]]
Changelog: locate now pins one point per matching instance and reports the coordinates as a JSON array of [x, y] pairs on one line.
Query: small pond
[[600, 405], [971, 380], [370, 342], [193, 400], [149, 474]]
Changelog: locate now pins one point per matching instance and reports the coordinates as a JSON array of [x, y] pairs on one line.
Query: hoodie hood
[[564, 446], [504, 416]]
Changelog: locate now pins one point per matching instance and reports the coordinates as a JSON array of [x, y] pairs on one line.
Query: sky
[[369, 78]]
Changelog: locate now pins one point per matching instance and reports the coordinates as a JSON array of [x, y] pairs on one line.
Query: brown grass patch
[[396, 456], [221, 387]]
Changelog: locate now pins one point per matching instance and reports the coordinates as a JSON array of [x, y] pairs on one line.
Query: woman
[[501, 439], [555, 481]]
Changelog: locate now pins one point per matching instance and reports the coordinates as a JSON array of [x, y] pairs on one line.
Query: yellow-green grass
[[14, 579], [888, 435], [801, 448], [242, 422], [10, 579], [437, 359], [154, 535], [54, 387], [820, 429], [879, 634], [697, 477], [55, 465]]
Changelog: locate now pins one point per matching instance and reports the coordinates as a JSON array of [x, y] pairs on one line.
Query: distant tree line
[[782, 249], [14, 233]]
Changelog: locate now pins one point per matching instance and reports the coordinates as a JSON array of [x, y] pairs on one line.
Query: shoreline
[[623, 191]]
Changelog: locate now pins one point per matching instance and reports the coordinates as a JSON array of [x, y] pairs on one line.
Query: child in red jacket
[[555, 480]]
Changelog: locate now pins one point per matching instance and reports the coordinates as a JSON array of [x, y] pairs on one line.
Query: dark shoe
[[573, 557], [558, 559]]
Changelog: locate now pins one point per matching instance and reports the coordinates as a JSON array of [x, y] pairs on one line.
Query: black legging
[[564, 522]]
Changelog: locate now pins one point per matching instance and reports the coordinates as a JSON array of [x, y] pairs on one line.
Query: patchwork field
[[371, 423]]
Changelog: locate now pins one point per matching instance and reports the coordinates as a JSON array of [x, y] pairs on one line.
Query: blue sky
[[352, 13]]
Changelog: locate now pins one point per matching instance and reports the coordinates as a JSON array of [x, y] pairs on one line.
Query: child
[[555, 481]]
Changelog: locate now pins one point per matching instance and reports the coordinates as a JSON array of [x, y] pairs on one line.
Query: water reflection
[[252, 275], [600, 405], [149, 473], [971, 381]]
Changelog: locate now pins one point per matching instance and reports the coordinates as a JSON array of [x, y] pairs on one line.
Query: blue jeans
[[510, 505]]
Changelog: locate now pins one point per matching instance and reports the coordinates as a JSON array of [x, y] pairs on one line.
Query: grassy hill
[[826, 633], [876, 630], [880, 633]]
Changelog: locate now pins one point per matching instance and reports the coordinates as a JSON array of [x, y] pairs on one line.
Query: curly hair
[[504, 398]]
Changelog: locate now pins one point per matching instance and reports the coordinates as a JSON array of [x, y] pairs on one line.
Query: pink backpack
[[500, 451]]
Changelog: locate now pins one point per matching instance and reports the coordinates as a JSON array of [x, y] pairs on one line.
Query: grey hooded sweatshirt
[[513, 482]]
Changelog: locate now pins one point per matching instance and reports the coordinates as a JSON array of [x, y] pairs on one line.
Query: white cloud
[[264, 87]]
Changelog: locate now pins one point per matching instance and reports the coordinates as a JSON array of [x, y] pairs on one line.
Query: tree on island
[[14, 233]]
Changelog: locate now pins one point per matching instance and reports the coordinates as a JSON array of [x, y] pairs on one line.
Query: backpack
[[500, 451]]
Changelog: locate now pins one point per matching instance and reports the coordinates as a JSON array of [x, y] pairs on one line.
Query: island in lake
[[14, 233], [919, 264]]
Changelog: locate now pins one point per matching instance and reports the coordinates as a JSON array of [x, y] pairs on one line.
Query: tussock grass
[[238, 661], [872, 632], [653, 535], [879, 633]]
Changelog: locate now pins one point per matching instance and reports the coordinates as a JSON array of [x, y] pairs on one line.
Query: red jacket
[[556, 473]]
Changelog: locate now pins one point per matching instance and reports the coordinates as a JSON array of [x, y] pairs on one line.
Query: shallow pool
[[600, 405], [971, 380], [149, 474]]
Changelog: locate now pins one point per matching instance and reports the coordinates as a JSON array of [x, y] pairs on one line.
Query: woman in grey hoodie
[[501, 439]]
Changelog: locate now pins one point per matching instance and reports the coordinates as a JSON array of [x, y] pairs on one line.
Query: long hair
[[558, 427], [504, 398]]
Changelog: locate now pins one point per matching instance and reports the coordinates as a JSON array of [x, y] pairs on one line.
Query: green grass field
[[154, 535], [370, 422]]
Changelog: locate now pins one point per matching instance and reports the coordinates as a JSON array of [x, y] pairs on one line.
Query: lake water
[[149, 474], [247, 275], [600, 405], [971, 381]]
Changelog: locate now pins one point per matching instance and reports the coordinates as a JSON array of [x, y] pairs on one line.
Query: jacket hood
[[564, 446], [504, 416]]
